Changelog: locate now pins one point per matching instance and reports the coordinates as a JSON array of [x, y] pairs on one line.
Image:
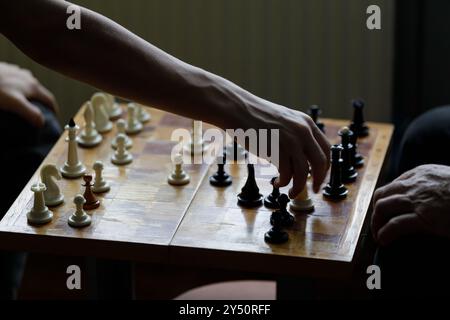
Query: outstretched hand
[[418, 202], [302, 145], [17, 87]]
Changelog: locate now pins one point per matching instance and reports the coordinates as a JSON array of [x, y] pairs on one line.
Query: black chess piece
[[314, 112], [358, 126], [221, 178], [276, 234], [356, 157], [250, 196], [91, 201], [287, 219], [271, 201], [335, 190], [348, 172]]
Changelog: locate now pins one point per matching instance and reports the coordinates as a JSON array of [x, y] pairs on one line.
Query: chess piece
[[279, 219], [196, 145], [134, 126], [121, 129], [52, 195], [72, 168], [91, 201], [314, 112], [348, 172], [221, 178], [271, 201], [250, 196], [302, 203], [236, 152], [79, 218], [113, 109], [89, 136], [178, 177], [101, 118], [335, 190], [286, 219], [121, 156], [358, 126], [142, 114], [39, 214], [100, 184], [356, 158]]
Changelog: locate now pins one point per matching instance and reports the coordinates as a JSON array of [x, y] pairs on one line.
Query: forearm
[[109, 57]]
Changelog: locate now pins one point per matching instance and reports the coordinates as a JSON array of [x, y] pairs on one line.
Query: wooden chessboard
[[144, 219]]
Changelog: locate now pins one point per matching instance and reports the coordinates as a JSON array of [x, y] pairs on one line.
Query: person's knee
[[426, 140]]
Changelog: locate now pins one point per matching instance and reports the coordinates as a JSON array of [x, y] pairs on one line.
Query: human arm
[[107, 56]]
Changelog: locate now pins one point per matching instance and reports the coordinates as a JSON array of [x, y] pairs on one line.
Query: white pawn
[[302, 202], [100, 184], [39, 214], [89, 136], [121, 126], [196, 145], [101, 118], [133, 124], [178, 177], [121, 156], [142, 114], [79, 218], [113, 109], [72, 168], [52, 195]]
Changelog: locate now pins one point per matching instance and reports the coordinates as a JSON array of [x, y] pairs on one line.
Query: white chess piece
[[121, 127], [72, 168], [100, 184], [121, 156], [79, 218], [101, 118], [133, 124], [302, 202], [52, 195], [89, 136], [178, 177], [39, 214], [196, 145], [142, 114], [112, 108]]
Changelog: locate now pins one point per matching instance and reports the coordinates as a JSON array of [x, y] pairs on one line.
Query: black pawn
[[221, 178], [250, 196], [357, 158], [335, 190], [348, 172], [358, 126], [314, 112], [287, 219], [271, 201], [276, 234]]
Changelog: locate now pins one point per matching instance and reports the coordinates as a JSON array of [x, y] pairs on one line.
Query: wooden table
[[168, 229]]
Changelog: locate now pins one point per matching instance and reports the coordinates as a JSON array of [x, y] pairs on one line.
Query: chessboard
[[143, 218]]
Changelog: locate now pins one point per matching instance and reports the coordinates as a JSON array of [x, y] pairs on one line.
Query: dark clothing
[[419, 266], [24, 148]]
